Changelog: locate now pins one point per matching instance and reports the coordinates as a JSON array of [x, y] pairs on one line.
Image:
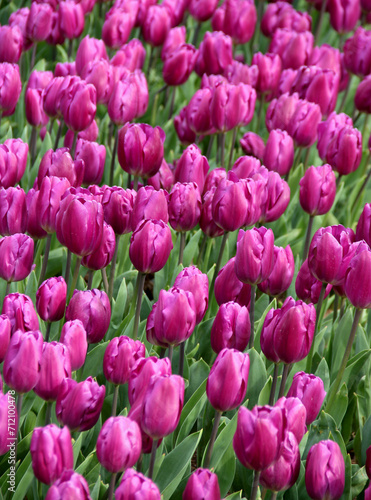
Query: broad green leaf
[[191, 411], [191, 249], [340, 405], [94, 361], [257, 377]]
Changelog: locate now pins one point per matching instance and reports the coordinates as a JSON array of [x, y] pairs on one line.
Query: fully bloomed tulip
[[325, 471], [231, 328], [16, 257], [215, 54], [307, 287], [229, 288], [136, 485], [357, 282], [73, 335], [55, 366], [317, 190], [173, 318], [79, 224], [282, 273], [11, 44], [78, 105], [90, 49], [51, 452], [150, 246], [5, 332], [363, 231], [296, 415], [202, 484], [21, 369], [120, 356], [11, 87], [92, 307], [149, 204], [344, 152], [141, 149], [279, 152], [20, 310], [7, 435], [310, 390], [227, 381], [79, 404], [258, 437], [254, 256], [13, 211], [293, 48], [119, 444], [69, 483], [162, 405], [191, 279], [51, 299]]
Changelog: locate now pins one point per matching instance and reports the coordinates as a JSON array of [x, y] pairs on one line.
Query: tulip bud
[[11, 44], [94, 157], [150, 246], [192, 167], [357, 52], [280, 112], [307, 287], [39, 22], [129, 98], [202, 484], [79, 404], [69, 483], [21, 369], [258, 437], [227, 381], [279, 152], [5, 331], [282, 273], [357, 282], [363, 231], [175, 38], [185, 134], [51, 299], [16, 257], [78, 105], [303, 124], [293, 48], [277, 196], [231, 328], [55, 366], [7, 411], [90, 49], [103, 255], [270, 67], [330, 128], [141, 149], [214, 54], [296, 415], [71, 19], [162, 405], [21, 313], [310, 390], [317, 190], [344, 15], [179, 65], [131, 56], [11, 87], [73, 335], [135, 485], [207, 223], [123, 435], [229, 204], [191, 279], [229, 288], [92, 307], [325, 471], [141, 374], [120, 356], [282, 15], [344, 152], [253, 145], [117, 27], [51, 452], [202, 10], [13, 211], [118, 205]]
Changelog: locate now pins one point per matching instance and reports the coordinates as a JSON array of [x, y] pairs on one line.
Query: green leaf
[[175, 464], [341, 336], [24, 477], [257, 377], [265, 393], [118, 308], [359, 480], [366, 438], [323, 373], [340, 405], [225, 470], [77, 448], [234, 496], [191, 411], [191, 248], [94, 361], [354, 366]]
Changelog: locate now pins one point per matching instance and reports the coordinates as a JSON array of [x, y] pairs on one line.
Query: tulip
[[119, 444], [103, 255], [59, 163], [229, 204], [120, 356], [13, 211], [310, 390], [118, 205], [207, 223], [92, 307], [185, 134], [277, 194], [117, 27], [100, 74], [202, 484], [157, 25], [175, 38], [229, 288], [16, 256], [303, 124], [329, 129], [361, 98], [129, 98], [55, 366], [202, 10], [51, 452], [280, 112], [135, 485], [179, 65], [141, 374], [317, 190], [279, 152], [69, 483], [164, 179], [79, 404], [357, 52], [78, 105], [71, 19], [231, 328], [191, 279], [282, 15], [325, 471], [34, 228], [326, 57], [8, 413], [363, 231], [307, 287], [246, 166], [236, 19], [282, 273], [73, 335], [94, 157], [270, 67], [344, 152], [149, 204], [253, 145], [215, 54], [131, 55], [296, 414], [344, 15], [20, 150], [5, 331], [11, 44], [51, 299], [19, 18], [192, 167], [198, 112], [258, 436], [90, 49], [11, 86], [293, 48], [357, 283], [21, 312], [39, 22], [285, 471], [141, 149]]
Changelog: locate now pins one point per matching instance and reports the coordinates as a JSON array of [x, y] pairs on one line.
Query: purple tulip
[[357, 52], [310, 390], [329, 129], [149, 204], [69, 483], [192, 167], [236, 19], [117, 27], [51, 299], [90, 49], [21, 312], [131, 55], [103, 255], [202, 484], [344, 15], [231, 328], [357, 282], [361, 99], [215, 54], [307, 287], [363, 231], [73, 335], [296, 415], [71, 19], [141, 374], [11, 87], [120, 356], [283, 15], [229, 204], [11, 44], [191, 279], [13, 211], [118, 205], [282, 273], [39, 22], [78, 105], [179, 64], [5, 332], [229, 288], [317, 190], [129, 98], [16, 256], [253, 145], [293, 48], [59, 163], [135, 485], [55, 366], [7, 411]]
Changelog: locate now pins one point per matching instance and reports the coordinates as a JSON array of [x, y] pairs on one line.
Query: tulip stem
[[274, 495], [140, 463], [210, 147], [260, 113], [252, 315], [172, 102], [113, 267], [45, 258], [170, 353], [181, 358], [346, 92], [19, 411], [219, 261], [363, 187], [112, 486], [135, 183], [90, 278], [181, 248], [308, 367], [214, 432], [320, 20], [306, 158], [222, 150], [296, 162], [335, 386], [255, 485], [114, 402], [202, 250], [70, 48], [59, 133], [286, 369], [68, 267], [274, 384], [105, 280], [114, 152], [33, 56], [75, 277], [48, 414], [47, 332], [7, 290], [51, 127], [140, 287], [153, 459], [308, 237], [336, 305], [196, 33], [232, 148], [72, 151], [33, 145]]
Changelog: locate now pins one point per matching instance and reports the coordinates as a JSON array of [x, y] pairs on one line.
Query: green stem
[[90, 278], [274, 384], [112, 486], [113, 267], [59, 133], [153, 459], [105, 280], [114, 153], [214, 433], [346, 92], [170, 353], [320, 21], [136, 182], [72, 152], [172, 102], [140, 287], [336, 305], [33, 56], [48, 414], [210, 147], [68, 267], [114, 402], [182, 246], [234, 135], [363, 187], [308, 237], [19, 413], [33, 140], [318, 312], [252, 315], [335, 386], [75, 277], [286, 369], [181, 358], [222, 150], [219, 261], [255, 485], [45, 259], [47, 332], [202, 250], [196, 33], [260, 112]]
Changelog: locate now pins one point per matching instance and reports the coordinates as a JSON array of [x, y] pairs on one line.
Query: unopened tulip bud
[[215, 54], [20, 310], [67, 483], [293, 48], [90, 49], [229, 288], [202, 484], [55, 366], [13, 211], [282, 273], [73, 335], [363, 231], [149, 204], [296, 415], [51, 299], [357, 282], [141, 374], [120, 356], [11, 87], [134, 484], [253, 145], [231, 328], [16, 257], [310, 390]]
